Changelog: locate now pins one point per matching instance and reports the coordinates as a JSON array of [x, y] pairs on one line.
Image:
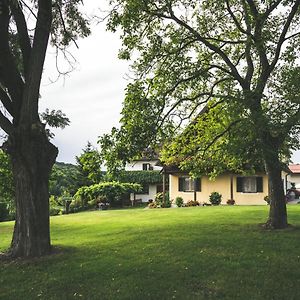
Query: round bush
[[179, 201], [215, 198]]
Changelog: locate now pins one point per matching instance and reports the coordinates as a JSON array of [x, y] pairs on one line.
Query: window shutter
[[239, 184], [181, 184], [259, 184], [198, 184]]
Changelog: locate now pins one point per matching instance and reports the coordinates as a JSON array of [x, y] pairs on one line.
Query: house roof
[[295, 168]]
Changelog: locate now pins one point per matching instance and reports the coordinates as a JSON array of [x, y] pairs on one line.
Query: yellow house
[[245, 190]]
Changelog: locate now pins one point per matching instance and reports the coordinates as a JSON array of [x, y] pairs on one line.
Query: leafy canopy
[[240, 56]]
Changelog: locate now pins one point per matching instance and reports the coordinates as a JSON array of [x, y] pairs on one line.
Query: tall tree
[[188, 53], [25, 28]]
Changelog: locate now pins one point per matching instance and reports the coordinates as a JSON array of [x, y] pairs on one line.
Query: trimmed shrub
[[215, 198], [230, 202], [166, 204], [179, 201], [192, 203]]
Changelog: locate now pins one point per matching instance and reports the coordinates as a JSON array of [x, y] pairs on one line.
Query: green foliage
[[142, 177], [89, 164], [54, 119], [212, 143], [215, 198], [110, 192], [7, 191], [161, 202], [179, 201], [224, 56], [69, 23], [77, 205], [54, 206], [4, 212], [64, 180]]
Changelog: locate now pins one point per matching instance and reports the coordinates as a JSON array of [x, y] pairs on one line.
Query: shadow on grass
[[57, 252]]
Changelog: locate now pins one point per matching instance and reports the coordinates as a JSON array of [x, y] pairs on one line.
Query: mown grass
[[186, 253]]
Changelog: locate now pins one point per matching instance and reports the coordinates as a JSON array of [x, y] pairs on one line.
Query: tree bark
[[278, 213], [32, 158]]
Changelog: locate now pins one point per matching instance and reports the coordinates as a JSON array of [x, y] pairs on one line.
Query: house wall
[[221, 185], [293, 178], [138, 165]]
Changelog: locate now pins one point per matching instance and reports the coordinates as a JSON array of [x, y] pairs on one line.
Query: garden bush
[[159, 200], [179, 201], [192, 203], [215, 198], [267, 199], [152, 205], [77, 205], [54, 211], [110, 192], [230, 202]]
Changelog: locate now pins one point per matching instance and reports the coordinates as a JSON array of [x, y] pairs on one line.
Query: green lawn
[[185, 253]]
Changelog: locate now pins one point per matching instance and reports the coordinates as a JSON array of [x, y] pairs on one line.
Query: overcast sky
[[91, 96]]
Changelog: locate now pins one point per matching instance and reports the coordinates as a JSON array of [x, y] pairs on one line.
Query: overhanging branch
[[5, 124], [6, 101], [22, 34]]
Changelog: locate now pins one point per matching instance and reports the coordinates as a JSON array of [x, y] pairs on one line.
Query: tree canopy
[[232, 53], [89, 165]]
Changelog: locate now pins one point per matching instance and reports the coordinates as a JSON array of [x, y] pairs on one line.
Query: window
[[249, 184], [159, 188], [147, 167], [187, 184], [145, 189]]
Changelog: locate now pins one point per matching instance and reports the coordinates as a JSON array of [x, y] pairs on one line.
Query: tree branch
[[9, 74], [64, 25], [235, 20], [6, 101], [5, 124], [23, 36], [282, 37], [200, 38], [271, 8], [212, 47], [37, 59], [253, 7]]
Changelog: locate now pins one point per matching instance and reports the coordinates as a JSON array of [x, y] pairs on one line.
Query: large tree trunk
[[32, 159], [278, 214]]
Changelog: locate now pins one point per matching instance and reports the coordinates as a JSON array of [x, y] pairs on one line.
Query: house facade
[[149, 189], [293, 176], [245, 190]]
